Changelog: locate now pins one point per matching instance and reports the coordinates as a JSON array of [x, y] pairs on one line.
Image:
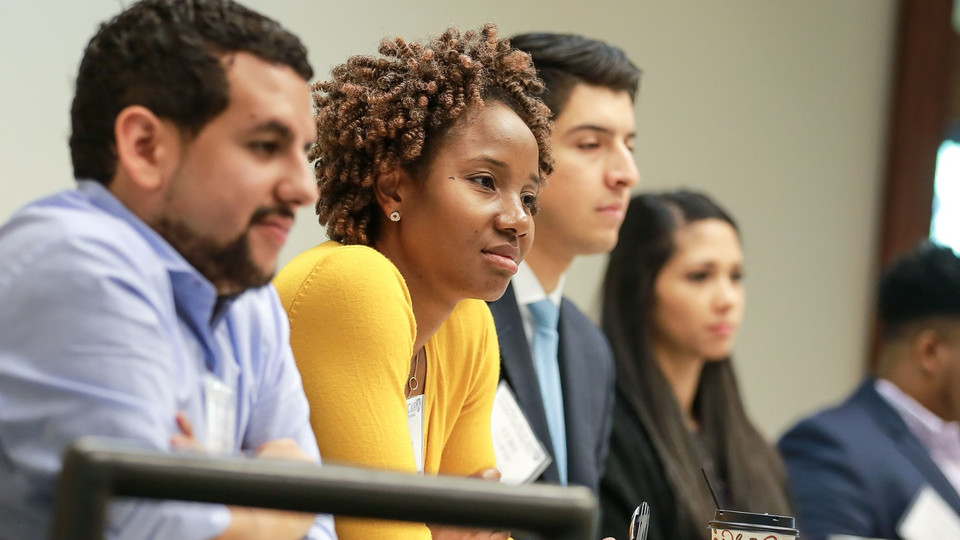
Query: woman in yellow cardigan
[[429, 161]]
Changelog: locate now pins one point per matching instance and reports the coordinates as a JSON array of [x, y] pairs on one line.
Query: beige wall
[[777, 107]]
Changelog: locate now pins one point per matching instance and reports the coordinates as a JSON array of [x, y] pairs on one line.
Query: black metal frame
[[95, 470]]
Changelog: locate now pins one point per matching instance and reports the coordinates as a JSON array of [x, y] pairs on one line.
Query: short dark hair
[[921, 285], [166, 55], [566, 60]]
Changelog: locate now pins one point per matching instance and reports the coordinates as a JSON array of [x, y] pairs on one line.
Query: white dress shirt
[[939, 437]]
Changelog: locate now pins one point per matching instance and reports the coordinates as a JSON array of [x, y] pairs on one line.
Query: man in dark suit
[[860, 468], [557, 363]]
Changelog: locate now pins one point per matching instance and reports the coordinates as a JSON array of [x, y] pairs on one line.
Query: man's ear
[[929, 348], [389, 187], [147, 147]]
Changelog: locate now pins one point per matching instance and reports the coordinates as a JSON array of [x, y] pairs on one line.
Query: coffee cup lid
[[748, 521]]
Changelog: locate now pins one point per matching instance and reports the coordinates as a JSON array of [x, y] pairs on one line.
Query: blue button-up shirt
[[106, 330]]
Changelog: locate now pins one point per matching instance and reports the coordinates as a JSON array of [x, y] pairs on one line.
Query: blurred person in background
[[673, 301], [890, 454], [554, 359]]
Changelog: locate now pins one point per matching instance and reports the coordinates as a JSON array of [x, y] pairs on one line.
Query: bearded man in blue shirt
[[137, 305]]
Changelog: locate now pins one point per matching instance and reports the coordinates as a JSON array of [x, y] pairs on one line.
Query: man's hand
[[453, 533], [440, 532], [251, 523], [282, 449], [185, 440]]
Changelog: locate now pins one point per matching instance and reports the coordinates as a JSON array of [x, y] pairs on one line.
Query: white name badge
[[220, 403], [415, 426], [929, 518], [521, 457]]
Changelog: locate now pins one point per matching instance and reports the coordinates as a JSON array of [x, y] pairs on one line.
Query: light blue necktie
[[546, 340]]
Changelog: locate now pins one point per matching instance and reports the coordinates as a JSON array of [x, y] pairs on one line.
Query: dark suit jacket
[[856, 468], [586, 379]]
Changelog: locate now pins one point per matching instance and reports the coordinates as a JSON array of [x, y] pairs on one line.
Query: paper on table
[[521, 457], [929, 518]]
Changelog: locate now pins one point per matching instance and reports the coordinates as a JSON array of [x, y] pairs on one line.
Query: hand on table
[[185, 440], [443, 532], [255, 522]]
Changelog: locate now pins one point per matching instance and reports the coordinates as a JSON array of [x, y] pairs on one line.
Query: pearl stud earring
[[394, 216]]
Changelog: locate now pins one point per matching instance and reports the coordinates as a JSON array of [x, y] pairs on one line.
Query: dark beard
[[230, 267]]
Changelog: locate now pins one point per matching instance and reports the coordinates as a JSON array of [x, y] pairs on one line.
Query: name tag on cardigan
[[521, 457], [415, 426]]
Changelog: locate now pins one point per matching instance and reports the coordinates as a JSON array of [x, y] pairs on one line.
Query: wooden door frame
[[927, 50]]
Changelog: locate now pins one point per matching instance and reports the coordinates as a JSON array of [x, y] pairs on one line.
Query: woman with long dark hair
[[672, 304]]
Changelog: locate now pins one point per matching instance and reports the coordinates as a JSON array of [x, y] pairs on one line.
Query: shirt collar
[[191, 288], [936, 433], [103, 199], [528, 289]]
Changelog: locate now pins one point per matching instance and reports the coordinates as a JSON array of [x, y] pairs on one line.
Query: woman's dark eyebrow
[[535, 178], [490, 161]]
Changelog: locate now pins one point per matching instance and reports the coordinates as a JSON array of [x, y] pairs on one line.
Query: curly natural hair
[[382, 112]]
